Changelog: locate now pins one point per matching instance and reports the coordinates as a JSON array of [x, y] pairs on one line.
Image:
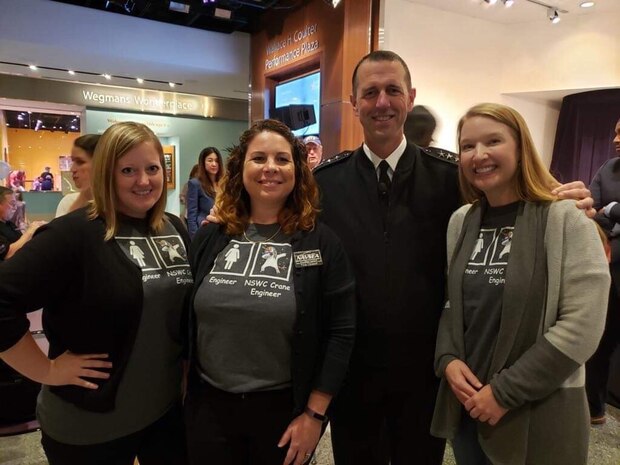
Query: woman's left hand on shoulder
[[303, 434], [483, 406]]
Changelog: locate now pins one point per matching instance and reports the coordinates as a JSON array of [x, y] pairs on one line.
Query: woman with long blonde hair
[[111, 278], [527, 289]]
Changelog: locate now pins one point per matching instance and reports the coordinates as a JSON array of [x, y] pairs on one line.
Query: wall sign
[[302, 42], [122, 98]]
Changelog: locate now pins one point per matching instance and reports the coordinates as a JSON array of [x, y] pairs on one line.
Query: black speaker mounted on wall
[[295, 116]]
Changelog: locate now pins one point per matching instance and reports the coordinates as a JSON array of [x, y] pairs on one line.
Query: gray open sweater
[[541, 383]]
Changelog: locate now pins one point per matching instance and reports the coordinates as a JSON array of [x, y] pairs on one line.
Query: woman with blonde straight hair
[[111, 278], [527, 288]]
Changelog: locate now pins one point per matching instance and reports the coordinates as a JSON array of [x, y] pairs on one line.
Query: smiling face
[[381, 101], [80, 167], [268, 170], [212, 165], [489, 159], [617, 138], [139, 180]]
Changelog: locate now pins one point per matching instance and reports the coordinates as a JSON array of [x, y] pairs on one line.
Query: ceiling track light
[[90, 73], [508, 3], [491, 2], [553, 12], [553, 15]]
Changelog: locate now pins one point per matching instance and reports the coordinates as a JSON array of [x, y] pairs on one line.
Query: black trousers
[[161, 443], [378, 420], [597, 368], [236, 429]]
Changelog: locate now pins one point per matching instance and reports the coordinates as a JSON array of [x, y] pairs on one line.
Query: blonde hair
[[533, 181], [233, 201], [115, 142]]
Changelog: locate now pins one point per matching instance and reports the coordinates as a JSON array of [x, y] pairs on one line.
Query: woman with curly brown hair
[[272, 310]]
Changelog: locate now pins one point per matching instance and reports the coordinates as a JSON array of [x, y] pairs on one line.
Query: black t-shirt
[[483, 287], [8, 234]]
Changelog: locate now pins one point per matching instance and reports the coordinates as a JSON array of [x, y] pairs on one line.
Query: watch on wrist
[[316, 415]]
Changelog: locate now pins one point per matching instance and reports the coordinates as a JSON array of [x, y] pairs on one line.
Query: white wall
[[65, 36], [457, 61]]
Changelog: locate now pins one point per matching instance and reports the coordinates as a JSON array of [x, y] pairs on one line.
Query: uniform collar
[[392, 158]]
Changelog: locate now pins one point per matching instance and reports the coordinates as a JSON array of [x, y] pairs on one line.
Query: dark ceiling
[[201, 14], [42, 121]]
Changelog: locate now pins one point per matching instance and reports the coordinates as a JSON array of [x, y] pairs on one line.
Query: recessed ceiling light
[[33, 67], [71, 72], [140, 80], [586, 4], [171, 84], [107, 76]]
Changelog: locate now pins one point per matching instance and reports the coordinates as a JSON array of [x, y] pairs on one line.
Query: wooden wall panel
[[344, 35]]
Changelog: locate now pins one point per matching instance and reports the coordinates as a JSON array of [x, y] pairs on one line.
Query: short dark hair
[[381, 55], [87, 142], [4, 191], [420, 125]]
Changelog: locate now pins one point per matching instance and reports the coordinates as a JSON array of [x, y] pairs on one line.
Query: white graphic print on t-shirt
[[255, 260], [492, 247], [154, 254], [490, 254]]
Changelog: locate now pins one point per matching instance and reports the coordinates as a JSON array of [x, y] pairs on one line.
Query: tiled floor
[[604, 447]]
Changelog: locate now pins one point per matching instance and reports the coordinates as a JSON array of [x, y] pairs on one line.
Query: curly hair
[[233, 201], [205, 181], [532, 182]]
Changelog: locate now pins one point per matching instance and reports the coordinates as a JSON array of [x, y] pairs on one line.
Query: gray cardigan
[[548, 418]]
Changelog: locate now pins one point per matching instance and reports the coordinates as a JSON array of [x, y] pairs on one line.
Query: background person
[[272, 309], [183, 195], [17, 180], [201, 190], [37, 184], [314, 147], [47, 179], [527, 289], [112, 382], [81, 165], [11, 237], [420, 127], [605, 189]]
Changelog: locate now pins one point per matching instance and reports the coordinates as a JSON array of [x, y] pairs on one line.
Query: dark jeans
[[377, 420], [467, 450], [236, 429], [161, 443], [597, 368]]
